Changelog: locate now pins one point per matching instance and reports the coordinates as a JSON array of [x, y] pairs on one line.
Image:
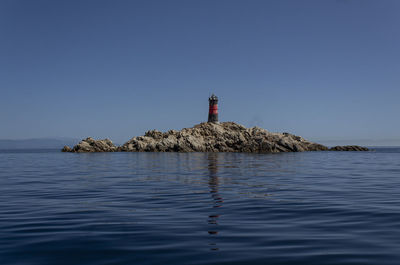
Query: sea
[[199, 208]]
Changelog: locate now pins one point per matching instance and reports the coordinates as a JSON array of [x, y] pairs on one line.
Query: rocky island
[[210, 137]]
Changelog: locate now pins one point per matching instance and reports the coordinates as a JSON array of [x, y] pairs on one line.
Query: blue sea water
[[200, 208]]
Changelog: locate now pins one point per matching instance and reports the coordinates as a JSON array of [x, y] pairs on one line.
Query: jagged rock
[[210, 137], [66, 149], [348, 148], [90, 145]]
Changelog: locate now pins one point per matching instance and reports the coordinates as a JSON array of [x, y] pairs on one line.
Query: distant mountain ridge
[[37, 143]]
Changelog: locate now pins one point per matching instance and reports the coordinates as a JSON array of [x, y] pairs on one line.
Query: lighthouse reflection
[[217, 201]]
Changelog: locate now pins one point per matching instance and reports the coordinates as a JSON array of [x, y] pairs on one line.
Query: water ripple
[[199, 208]]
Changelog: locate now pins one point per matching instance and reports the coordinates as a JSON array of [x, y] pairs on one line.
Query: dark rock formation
[[348, 148], [209, 137]]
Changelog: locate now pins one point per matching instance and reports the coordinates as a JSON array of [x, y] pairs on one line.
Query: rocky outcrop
[[210, 137], [90, 145], [348, 148], [220, 137], [66, 149]]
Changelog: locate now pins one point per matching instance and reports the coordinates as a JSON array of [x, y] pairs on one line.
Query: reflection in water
[[213, 184]]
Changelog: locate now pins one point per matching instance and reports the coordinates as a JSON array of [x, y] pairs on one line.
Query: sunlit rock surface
[[90, 145], [210, 137]]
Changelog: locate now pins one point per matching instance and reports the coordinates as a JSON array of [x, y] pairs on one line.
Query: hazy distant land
[[36, 143]]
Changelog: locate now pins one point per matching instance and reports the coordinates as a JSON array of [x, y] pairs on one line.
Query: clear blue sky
[[320, 69]]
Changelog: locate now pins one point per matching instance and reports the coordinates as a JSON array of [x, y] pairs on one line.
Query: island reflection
[[217, 200]]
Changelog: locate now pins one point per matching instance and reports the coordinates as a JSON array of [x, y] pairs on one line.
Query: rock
[[66, 149], [210, 137], [348, 148], [90, 145]]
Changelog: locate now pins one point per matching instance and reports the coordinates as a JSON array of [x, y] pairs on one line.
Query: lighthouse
[[213, 109]]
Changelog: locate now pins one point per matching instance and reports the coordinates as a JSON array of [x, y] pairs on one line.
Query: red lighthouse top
[[213, 108]]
